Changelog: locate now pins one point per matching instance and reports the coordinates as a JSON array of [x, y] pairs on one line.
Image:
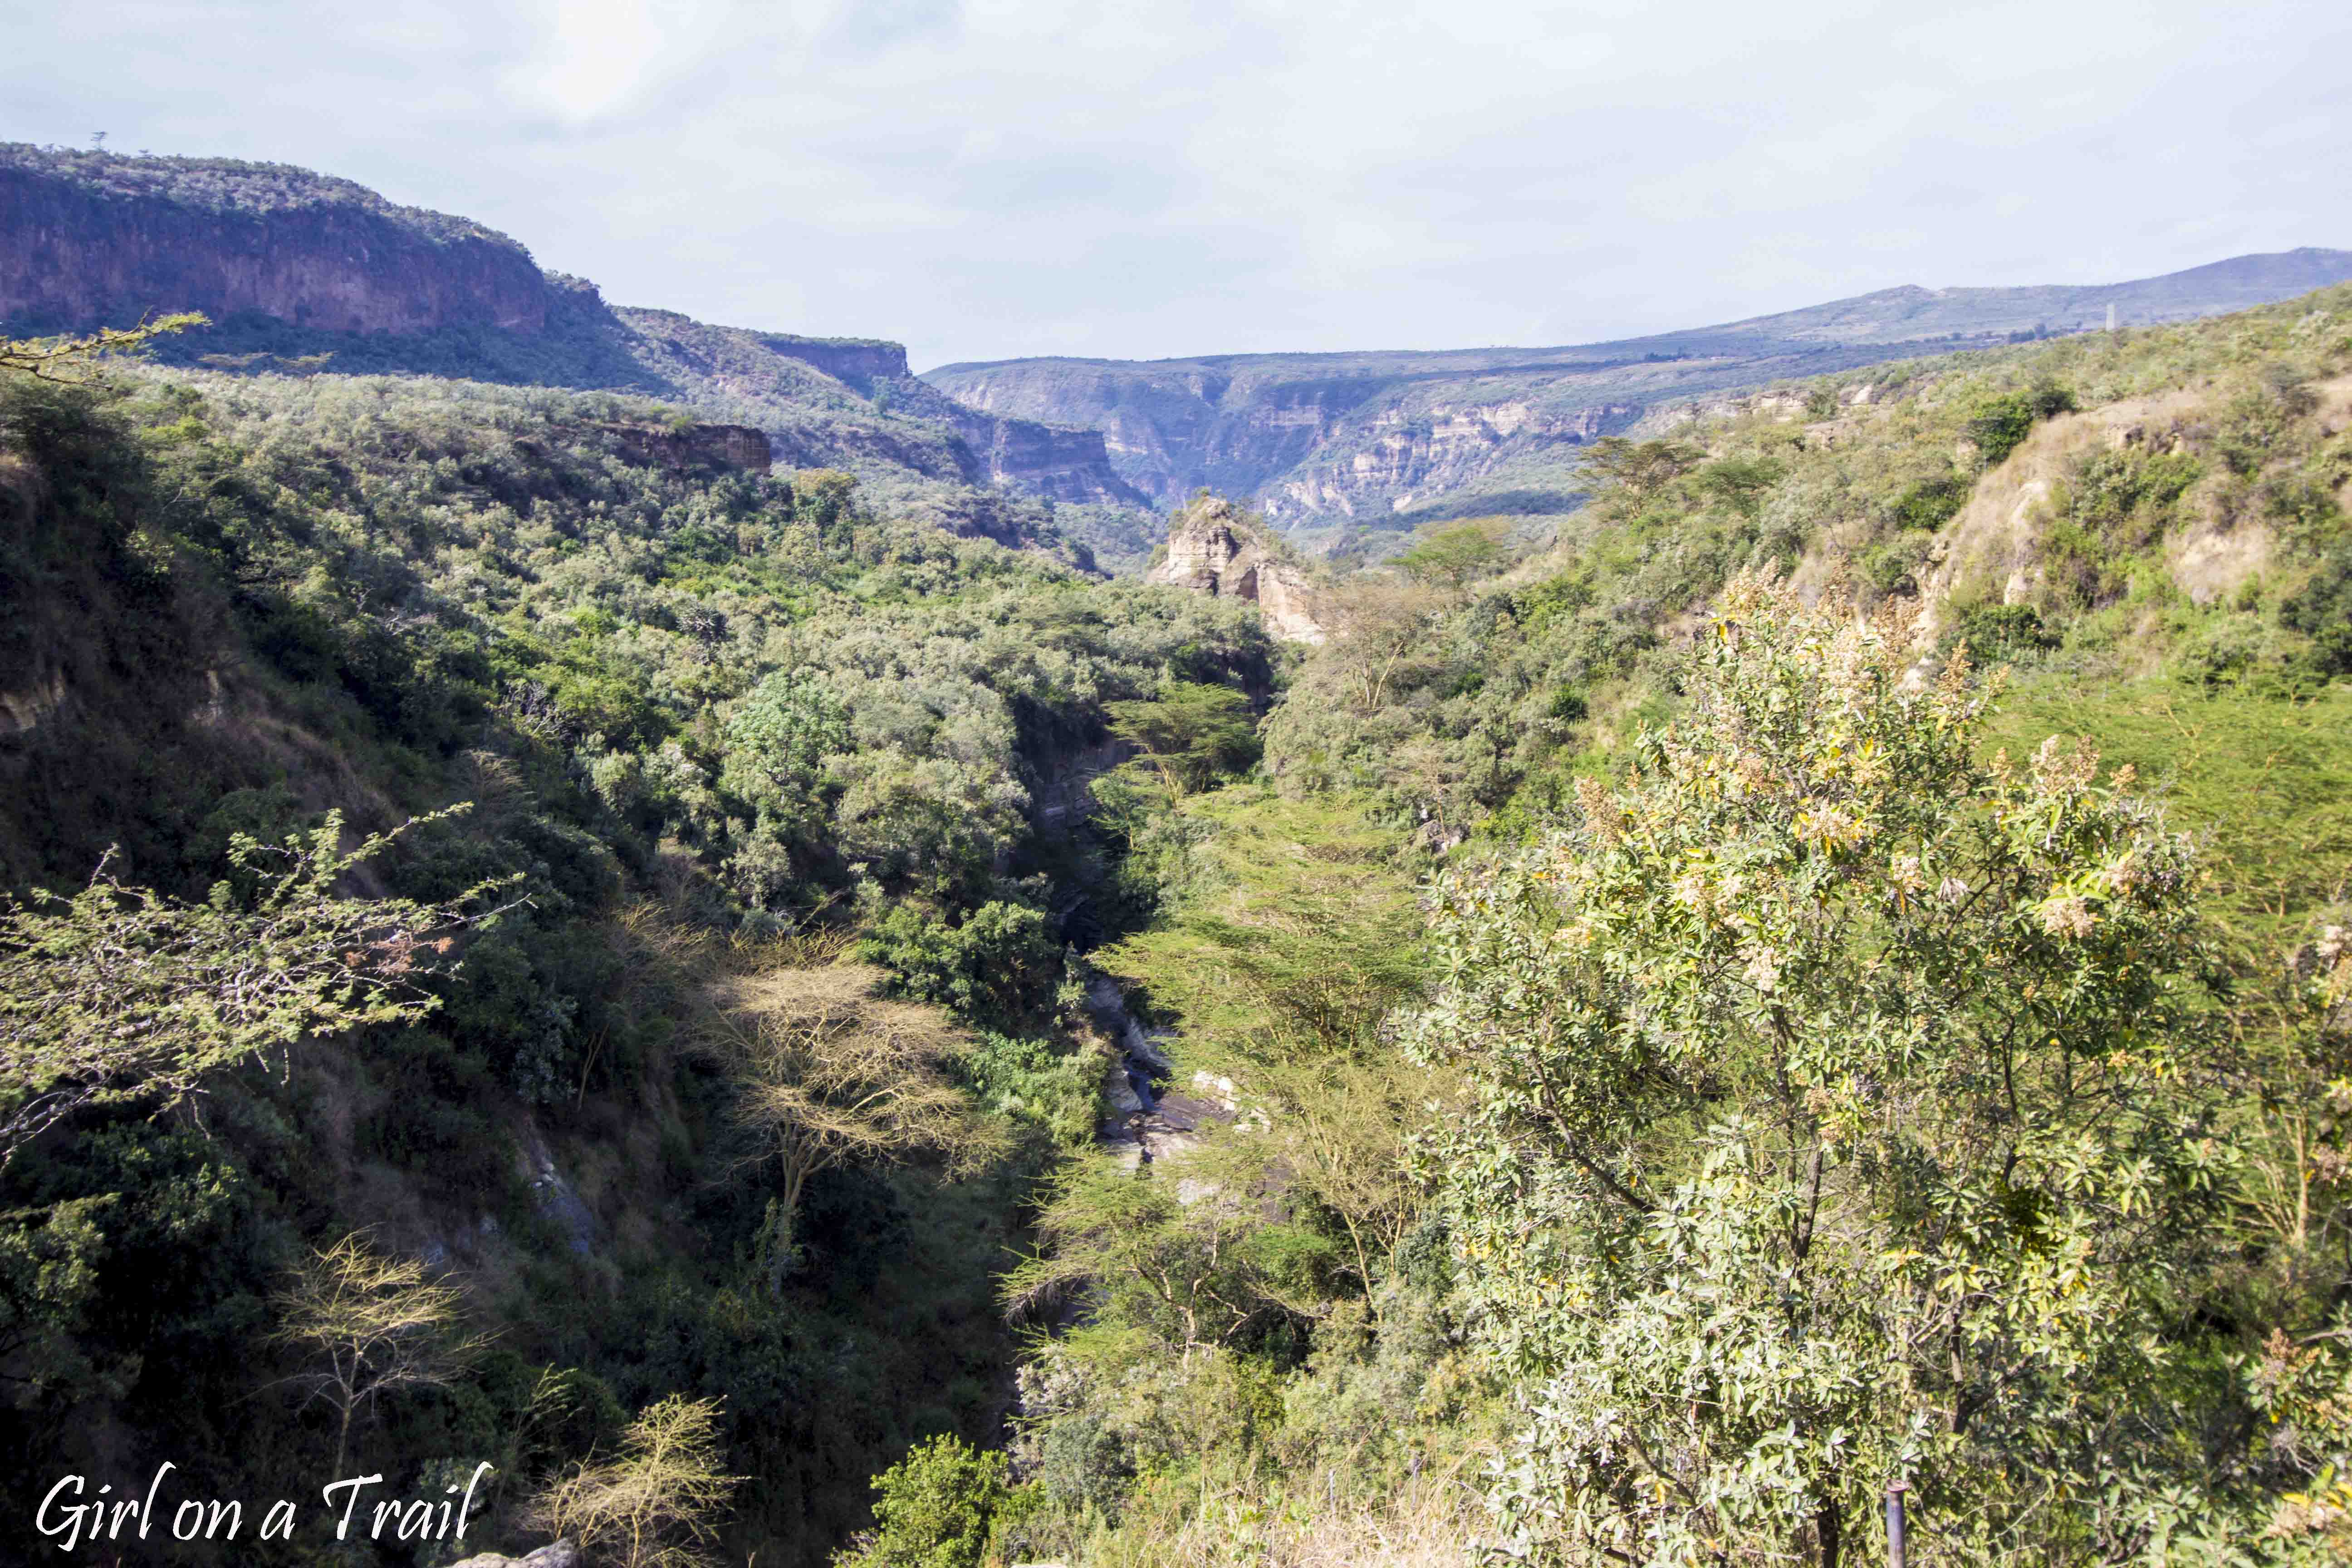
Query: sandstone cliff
[[1214, 549], [737, 447]]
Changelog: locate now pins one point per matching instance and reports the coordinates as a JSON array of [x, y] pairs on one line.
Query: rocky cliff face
[[737, 447], [1171, 433], [864, 364], [1065, 463], [1403, 458], [1057, 461], [1212, 549], [88, 241], [290, 263], [1322, 438]]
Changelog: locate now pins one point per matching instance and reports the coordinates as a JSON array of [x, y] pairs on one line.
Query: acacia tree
[[1188, 736], [827, 1070], [371, 1325], [1458, 555], [1187, 1252], [1840, 1121], [120, 994], [67, 359], [655, 1504]]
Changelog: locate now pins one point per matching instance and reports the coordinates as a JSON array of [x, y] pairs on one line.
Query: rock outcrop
[[561, 1554], [865, 363], [738, 447], [1058, 461], [1214, 549], [89, 241]]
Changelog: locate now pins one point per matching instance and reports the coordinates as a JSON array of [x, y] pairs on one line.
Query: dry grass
[[1434, 1519]]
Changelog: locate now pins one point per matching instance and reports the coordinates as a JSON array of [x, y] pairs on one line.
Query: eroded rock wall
[[88, 242], [1214, 549]]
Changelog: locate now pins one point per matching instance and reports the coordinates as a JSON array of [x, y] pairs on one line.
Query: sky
[[987, 179]]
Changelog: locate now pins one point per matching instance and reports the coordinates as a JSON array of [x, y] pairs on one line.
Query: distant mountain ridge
[[1388, 438], [291, 264]]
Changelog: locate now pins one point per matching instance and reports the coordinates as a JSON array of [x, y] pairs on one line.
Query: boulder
[[556, 1554]]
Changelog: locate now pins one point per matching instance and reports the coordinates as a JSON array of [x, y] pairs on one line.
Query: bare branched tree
[[371, 1324], [828, 1072], [656, 1503]]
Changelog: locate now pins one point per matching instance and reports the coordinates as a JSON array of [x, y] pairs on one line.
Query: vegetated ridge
[[1389, 439]]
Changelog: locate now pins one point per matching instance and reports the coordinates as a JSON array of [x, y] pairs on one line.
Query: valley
[[825, 967]]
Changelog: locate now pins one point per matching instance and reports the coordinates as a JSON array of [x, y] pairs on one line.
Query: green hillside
[[820, 1027]]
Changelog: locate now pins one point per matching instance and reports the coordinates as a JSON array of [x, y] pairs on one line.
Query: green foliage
[[2321, 610], [1188, 735], [994, 966], [1027, 1079], [2113, 505], [1639, 468], [724, 690], [64, 358], [2001, 426], [933, 1509], [118, 994], [1196, 1270], [1931, 504], [1740, 483], [1840, 1118], [1999, 634], [1458, 555]]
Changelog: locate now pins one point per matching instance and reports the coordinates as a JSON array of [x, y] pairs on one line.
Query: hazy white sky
[[987, 178]]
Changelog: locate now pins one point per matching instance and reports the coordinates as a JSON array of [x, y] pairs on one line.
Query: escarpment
[[88, 241], [298, 270], [1397, 438]]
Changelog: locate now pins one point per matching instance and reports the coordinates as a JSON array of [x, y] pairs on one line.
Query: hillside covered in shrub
[[867, 1038]]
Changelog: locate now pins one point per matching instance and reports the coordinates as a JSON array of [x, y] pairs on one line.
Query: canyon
[[1389, 440], [297, 270]]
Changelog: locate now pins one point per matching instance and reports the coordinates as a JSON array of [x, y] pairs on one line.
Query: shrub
[[1998, 633], [2001, 426], [1931, 504], [1840, 1118], [935, 1506], [1000, 964], [2322, 611]]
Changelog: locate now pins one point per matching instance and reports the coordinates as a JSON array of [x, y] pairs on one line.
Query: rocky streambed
[[1148, 1118]]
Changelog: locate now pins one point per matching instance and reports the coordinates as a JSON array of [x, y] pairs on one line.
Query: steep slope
[[1403, 436], [661, 679], [292, 265]]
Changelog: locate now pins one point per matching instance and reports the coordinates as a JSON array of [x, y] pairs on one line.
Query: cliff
[[690, 446], [90, 240], [1212, 549], [291, 265], [1399, 438], [860, 362]]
